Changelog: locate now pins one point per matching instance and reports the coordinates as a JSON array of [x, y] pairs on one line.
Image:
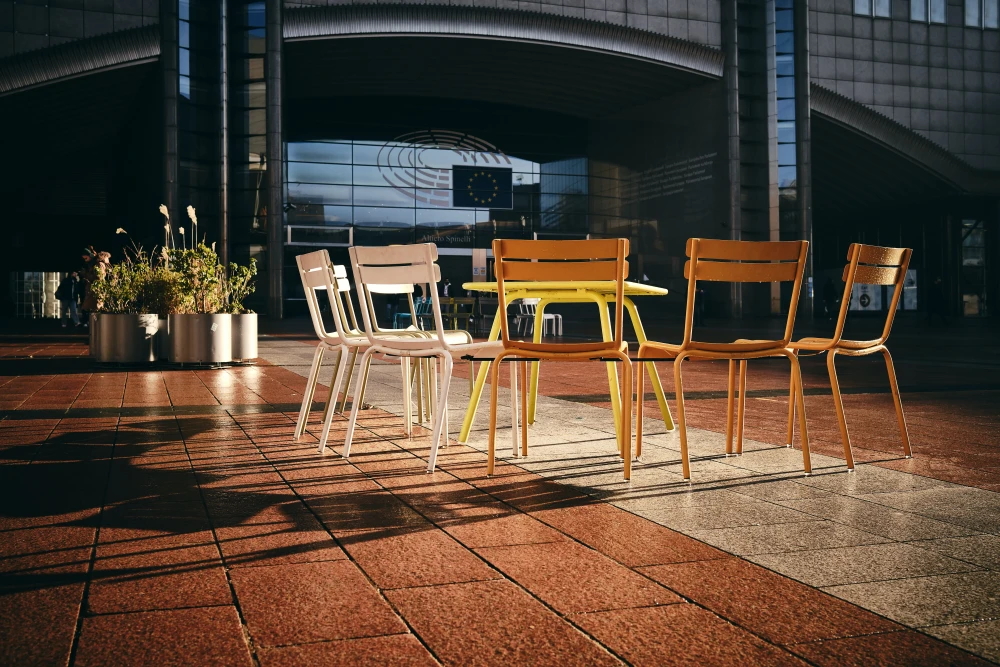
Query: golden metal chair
[[734, 262], [867, 265], [520, 263]]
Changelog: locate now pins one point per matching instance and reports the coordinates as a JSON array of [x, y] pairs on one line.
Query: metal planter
[[124, 339], [200, 339], [245, 336]]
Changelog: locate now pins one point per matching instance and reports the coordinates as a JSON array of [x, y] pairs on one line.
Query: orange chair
[[520, 262], [867, 265], [734, 262]]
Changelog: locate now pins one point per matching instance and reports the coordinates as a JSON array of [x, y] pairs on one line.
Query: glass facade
[[375, 179], [248, 186]]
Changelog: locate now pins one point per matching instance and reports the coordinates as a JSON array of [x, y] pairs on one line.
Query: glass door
[[973, 271]]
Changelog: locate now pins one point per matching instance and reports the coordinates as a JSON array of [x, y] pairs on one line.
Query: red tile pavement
[[204, 535]]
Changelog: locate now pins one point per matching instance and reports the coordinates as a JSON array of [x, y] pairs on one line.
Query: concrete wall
[[942, 81], [694, 20], [26, 25]]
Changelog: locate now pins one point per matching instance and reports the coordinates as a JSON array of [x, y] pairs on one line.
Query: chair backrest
[[318, 274], [560, 261], [744, 262], [873, 265], [393, 269]]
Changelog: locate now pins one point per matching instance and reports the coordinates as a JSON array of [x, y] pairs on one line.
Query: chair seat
[[737, 347], [569, 348], [827, 343]]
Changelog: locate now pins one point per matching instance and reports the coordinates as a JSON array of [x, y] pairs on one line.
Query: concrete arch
[[501, 24]]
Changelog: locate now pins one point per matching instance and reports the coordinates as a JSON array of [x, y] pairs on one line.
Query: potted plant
[[237, 286], [125, 328], [199, 329]]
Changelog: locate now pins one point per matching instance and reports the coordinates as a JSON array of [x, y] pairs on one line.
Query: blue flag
[[482, 187]]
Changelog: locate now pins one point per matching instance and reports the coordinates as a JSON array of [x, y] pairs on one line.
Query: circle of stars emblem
[[482, 195]]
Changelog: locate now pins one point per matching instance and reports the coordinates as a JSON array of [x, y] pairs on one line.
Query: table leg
[[640, 335], [477, 390], [616, 406], [533, 393]]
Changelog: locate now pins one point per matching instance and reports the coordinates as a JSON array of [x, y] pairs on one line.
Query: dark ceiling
[[558, 79], [854, 176]]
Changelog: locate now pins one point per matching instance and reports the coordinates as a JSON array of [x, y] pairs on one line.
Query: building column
[[803, 149], [275, 161], [169, 56], [731, 77], [224, 138]]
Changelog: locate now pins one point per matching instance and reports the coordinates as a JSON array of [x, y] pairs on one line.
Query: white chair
[[525, 319], [376, 267], [317, 275]]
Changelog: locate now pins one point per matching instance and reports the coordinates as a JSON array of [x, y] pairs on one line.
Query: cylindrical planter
[[125, 339], [162, 344], [95, 345], [200, 339], [245, 336]]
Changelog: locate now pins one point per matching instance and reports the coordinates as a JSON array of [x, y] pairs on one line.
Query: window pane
[[938, 11], [973, 14], [882, 8], [918, 10], [991, 15], [863, 7]]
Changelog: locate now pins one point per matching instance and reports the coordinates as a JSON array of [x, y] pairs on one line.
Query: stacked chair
[[866, 265], [733, 262], [562, 261], [377, 268]]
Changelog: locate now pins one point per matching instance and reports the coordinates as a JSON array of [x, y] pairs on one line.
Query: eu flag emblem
[[482, 187]]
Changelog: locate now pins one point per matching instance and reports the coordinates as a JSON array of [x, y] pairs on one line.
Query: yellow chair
[[521, 262], [733, 262], [867, 265]]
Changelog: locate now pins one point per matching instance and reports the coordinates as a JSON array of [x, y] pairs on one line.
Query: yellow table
[[599, 292]]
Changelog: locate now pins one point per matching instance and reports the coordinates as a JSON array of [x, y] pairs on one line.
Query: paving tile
[[309, 602], [876, 519], [391, 650], [46, 551], [276, 543], [687, 634], [492, 623], [949, 598], [47, 610], [785, 537], [415, 556], [850, 565], [891, 649], [972, 508], [625, 537], [206, 636], [158, 577], [776, 608], [572, 578], [689, 519], [981, 638], [981, 550], [488, 523]]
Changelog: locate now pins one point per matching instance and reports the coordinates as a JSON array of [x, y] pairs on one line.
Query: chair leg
[[524, 408], [404, 365], [350, 374], [494, 394], [640, 393], [626, 430], [513, 407], [309, 392], [741, 408], [338, 377], [800, 398], [472, 377], [838, 403], [359, 388], [899, 403], [365, 368], [679, 383], [730, 404], [791, 411], [440, 419], [429, 380]]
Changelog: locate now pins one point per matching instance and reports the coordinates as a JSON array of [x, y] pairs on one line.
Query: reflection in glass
[[918, 10], [973, 13], [939, 13], [991, 13], [882, 8]]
